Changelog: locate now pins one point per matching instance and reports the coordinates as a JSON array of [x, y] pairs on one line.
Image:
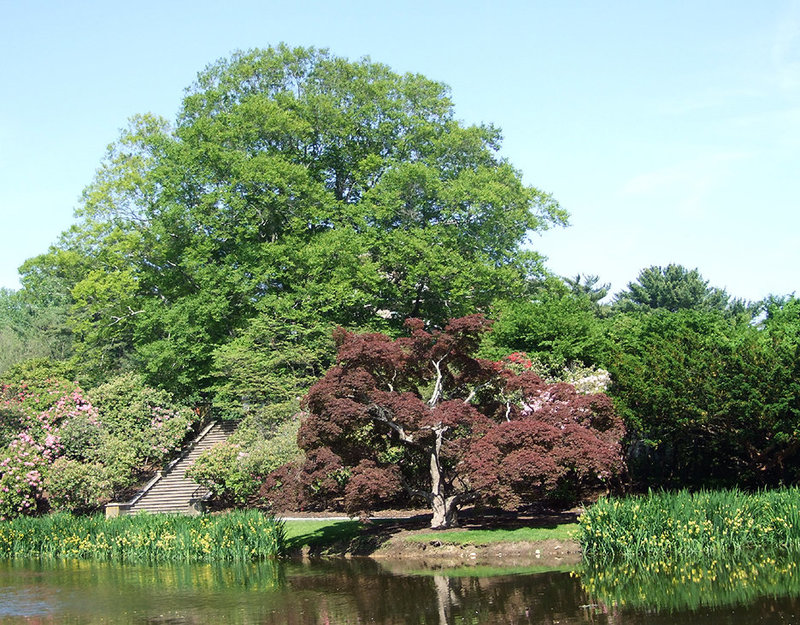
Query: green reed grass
[[666, 527], [236, 537]]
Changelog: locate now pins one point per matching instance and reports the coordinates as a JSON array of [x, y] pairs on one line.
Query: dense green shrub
[[710, 399], [77, 486], [221, 469], [280, 447], [142, 427], [81, 437], [234, 470]]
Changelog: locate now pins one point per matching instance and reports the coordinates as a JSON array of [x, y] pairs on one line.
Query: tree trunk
[[444, 507], [445, 512]]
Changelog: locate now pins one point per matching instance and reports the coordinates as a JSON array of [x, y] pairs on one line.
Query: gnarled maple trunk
[[445, 512], [443, 506]]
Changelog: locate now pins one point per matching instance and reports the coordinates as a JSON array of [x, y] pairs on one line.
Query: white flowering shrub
[[586, 380]]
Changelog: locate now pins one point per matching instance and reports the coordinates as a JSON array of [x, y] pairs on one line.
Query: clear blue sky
[[669, 130]]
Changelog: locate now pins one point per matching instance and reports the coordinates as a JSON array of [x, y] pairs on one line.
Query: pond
[[366, 591]]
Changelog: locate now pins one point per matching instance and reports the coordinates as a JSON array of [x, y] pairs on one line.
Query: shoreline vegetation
[[706, 525], [687, 550], [251, 535], [657, 532], [239, 536]]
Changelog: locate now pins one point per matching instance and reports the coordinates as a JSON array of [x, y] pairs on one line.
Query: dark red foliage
[[371, 485], [527, 383], [314, 484], [422, 410], [454, 413], [406, 408], [556, 435]]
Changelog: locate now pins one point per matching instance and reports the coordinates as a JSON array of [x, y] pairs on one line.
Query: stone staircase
[[170, 491]]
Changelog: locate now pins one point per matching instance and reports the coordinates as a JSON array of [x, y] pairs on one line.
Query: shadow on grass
[[350, 537], [496, 519]]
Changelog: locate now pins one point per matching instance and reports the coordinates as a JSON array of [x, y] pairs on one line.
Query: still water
[[365, 591]]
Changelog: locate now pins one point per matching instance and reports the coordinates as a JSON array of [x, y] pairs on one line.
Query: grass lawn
[[314, 533], [565, 531]]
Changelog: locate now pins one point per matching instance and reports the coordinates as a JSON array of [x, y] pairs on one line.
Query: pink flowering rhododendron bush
[[422, 416], [36, 444], [145, 420], [23, 468], [67, 449]]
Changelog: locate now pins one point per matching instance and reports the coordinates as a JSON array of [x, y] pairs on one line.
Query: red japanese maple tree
[[422, 414]]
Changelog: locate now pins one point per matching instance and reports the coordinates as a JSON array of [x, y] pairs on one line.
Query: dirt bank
[[512, 554]]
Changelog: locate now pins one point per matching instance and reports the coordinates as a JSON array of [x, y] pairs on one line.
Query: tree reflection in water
[[373, 594]]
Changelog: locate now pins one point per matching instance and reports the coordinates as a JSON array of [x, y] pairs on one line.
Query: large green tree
[[337, 186]]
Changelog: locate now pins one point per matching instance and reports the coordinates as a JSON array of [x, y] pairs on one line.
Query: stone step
[[171, 491]]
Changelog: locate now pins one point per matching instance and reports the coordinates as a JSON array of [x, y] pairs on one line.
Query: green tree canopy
[[33, 324], [561, 325], [338, 186], [674, 288], [589, 286], [274, 361]]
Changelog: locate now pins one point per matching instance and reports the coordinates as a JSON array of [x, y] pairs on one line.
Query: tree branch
[[380, 414], [437, 387], [116, 320]]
